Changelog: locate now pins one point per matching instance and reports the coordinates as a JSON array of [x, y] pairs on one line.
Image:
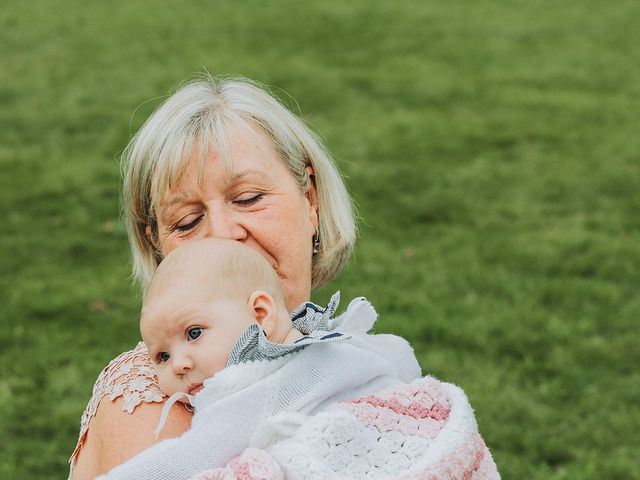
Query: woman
[[220, 158]]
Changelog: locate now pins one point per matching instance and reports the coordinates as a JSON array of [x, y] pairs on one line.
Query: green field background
[[492, 148]]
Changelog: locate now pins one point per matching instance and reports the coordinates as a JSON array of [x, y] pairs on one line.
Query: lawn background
[[492, 150]]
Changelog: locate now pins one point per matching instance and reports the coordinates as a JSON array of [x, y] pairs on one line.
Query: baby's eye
[[194, 333], [163, 357]]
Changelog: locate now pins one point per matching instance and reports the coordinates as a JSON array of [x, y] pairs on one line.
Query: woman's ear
[[312, 197], [263, 308], [148, 231]]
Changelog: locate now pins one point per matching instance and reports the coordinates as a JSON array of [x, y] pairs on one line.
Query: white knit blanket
[[239, 398], [422, 430]]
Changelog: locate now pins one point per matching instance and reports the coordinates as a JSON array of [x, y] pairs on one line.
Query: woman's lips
[[195, 388]]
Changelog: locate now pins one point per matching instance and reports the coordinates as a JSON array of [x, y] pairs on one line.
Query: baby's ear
[[264, 311]]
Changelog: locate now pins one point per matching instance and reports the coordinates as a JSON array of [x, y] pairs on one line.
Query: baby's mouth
[[195, 388]]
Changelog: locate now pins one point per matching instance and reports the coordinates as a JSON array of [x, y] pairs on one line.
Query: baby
[[296, 396], [203, 298]]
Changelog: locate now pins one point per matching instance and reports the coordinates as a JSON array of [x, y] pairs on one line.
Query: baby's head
[[201, 299]]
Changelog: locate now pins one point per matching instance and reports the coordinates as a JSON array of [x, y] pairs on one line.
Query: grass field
[[492, 148]]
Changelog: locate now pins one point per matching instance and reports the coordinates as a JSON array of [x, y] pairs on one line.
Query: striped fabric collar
[[309, 318]]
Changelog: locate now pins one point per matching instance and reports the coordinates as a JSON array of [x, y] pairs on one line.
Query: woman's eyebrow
[[174, 200], [247, 175]]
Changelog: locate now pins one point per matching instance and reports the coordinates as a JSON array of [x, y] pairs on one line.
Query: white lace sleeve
[[130, 376]]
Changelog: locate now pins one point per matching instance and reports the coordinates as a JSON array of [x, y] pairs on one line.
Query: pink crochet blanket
[[422, 430]]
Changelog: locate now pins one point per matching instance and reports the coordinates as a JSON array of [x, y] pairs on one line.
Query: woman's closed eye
[[194, 333], [188, 223], [248, 199]]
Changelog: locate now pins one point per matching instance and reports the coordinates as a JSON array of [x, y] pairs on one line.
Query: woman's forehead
[[247, 153]]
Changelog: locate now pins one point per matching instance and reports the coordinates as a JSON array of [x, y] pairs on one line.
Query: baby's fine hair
[[232, 268]]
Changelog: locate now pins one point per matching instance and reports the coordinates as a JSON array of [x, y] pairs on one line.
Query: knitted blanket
[[422, 430]]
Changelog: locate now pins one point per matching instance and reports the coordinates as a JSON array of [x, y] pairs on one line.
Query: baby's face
[[189, 334]]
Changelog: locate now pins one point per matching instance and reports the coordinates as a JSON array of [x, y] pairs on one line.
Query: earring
[[316, 243]]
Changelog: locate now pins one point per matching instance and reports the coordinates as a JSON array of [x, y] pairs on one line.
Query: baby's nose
[[182, 364]]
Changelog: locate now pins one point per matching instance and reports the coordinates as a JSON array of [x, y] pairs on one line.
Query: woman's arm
[[115, 436]]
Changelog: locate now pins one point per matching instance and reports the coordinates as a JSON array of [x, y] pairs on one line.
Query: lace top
[[130, 376]]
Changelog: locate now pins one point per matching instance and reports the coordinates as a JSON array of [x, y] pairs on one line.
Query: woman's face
[[258, 204]]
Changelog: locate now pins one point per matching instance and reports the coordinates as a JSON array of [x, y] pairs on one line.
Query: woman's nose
[[222, 223]]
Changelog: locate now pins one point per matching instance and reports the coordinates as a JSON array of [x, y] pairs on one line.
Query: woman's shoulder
[[129, 376]]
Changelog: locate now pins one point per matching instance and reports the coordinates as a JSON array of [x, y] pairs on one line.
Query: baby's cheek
[[164, 380]]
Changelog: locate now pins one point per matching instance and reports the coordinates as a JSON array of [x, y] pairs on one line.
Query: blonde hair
[[200, 115]]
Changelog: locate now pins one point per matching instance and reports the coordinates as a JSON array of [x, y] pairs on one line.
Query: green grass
[[491, 146]]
